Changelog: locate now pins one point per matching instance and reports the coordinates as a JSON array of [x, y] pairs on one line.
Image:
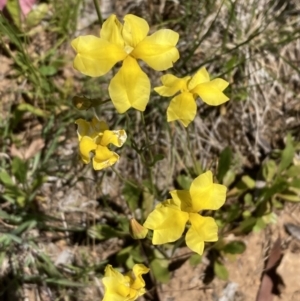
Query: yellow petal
[[183, 108], [158, 50], [83, 128], [116, 138], [172, 203], [171, 85], [111, 272], [138, 281], [220, 83], [210, 93], [205, 194], [91, 129], [96, 56], [202, 229], [98, 126], [111, 31], [86, 146], [200, 77], [168, 224], [183, 198], [130, 87], [135, 29], [104, 158], [115, 290]]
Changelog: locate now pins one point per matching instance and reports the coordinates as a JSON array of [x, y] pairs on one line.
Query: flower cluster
[[183, 106], [124, 287], [130, 88], [169, 218], [94, 137]]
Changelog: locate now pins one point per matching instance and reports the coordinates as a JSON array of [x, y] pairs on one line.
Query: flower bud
[[137, 231]]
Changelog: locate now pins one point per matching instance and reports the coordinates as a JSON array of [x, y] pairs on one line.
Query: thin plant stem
[[147, 136], [122, 178], [192, 154], [149, 168], [96, 3]]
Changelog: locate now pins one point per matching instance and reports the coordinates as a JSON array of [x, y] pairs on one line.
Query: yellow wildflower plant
[[130, 87], [94, 137], [168, 220], [126, 287], [183, 106]]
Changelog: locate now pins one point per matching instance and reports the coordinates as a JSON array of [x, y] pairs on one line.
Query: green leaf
[[269, 170], [64, 282], [224, 163], [123, 255], [160, 270], [248, 181], [260, 225], [220, 271], [5, 178], [293, 171], [184, 181], [48, 70], [195, 260], [248, 199], [157, 158], [247, 225], [131, 195], [14, 10], [229, 178], [36, 15], [148, 200], [295, 183], [19, 169], [137, 255], [287, 154], [26, 107], [103, 232], [289, 197], [235, 247]]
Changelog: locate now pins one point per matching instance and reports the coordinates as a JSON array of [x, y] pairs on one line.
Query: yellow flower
[[169, 218], [130, 87], [94, 137], [183, 106], [126, 287]]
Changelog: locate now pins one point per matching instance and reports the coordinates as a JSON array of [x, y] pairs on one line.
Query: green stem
[[123, 179], [96, 3], [197, 171], [147, 136], [149, 168]]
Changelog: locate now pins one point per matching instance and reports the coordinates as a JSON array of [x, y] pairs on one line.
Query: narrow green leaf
[[103, 232], [64, 282], [289, 197], [29, 108], [224, 163], [269, 170], [13, 7], [287, 154], [19, 169]]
